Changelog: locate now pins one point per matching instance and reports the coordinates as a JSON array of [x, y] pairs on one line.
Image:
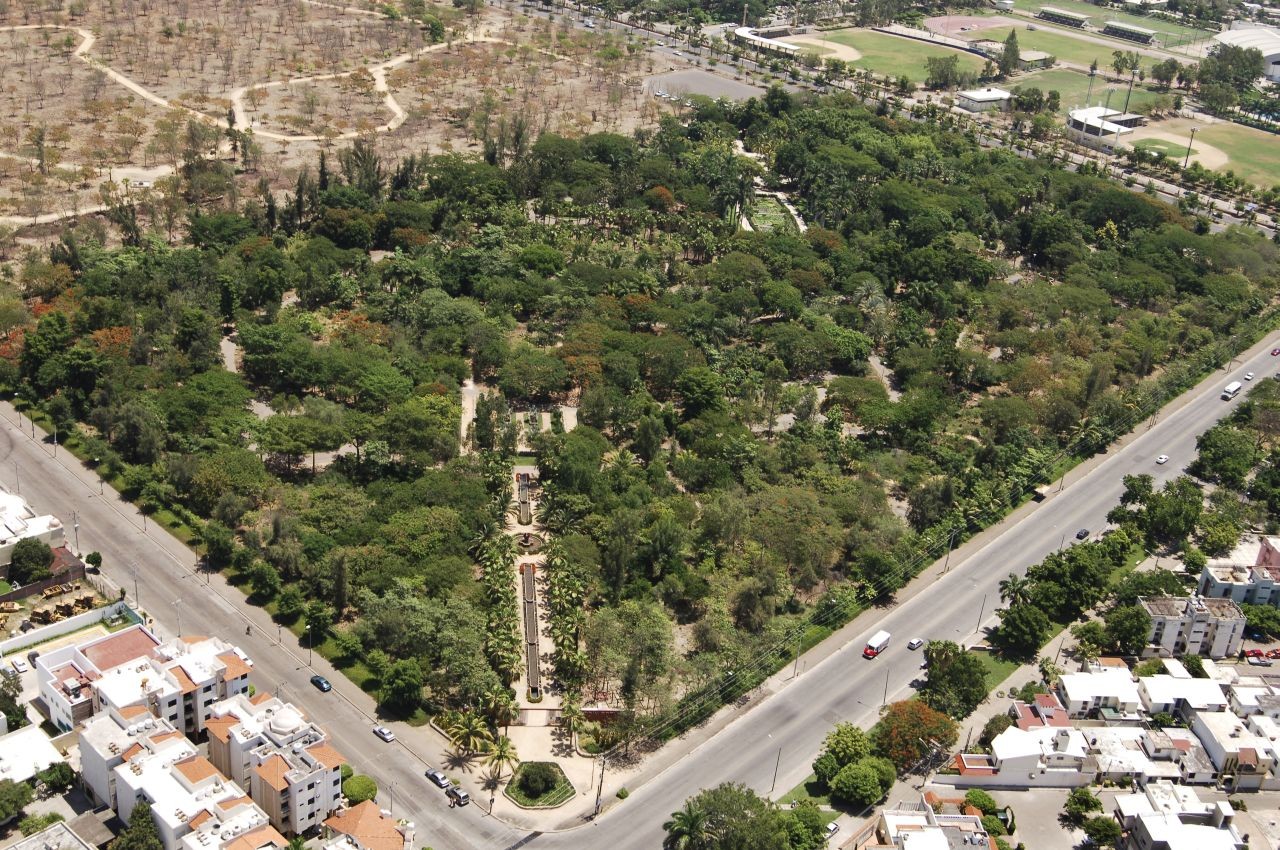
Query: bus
[[1231, 390]]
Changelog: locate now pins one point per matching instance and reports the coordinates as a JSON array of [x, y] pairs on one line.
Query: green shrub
[[982, 801], [993, 825], [537, 778], [359, 788]]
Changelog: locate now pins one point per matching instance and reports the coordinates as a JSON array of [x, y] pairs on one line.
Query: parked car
[[322, 684], [1260, 662], [1273, 653], [1082, 534], [19, 666], [832, 829], [1254, 653], [915, 643], [384, 733], [438, 779], [458, 796]]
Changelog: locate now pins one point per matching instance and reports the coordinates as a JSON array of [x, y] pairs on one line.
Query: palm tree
[[469, 733], [571, 715], [688, 829], [1015, 590], [501, 753], [499, 705]]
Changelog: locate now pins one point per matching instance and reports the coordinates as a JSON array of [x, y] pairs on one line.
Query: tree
[[688, 829], [537, 778], [30, 561], [907, 729], [401, 690], [1225, 454], [1262, 618], [11, 702], [982, 801], [1128, 628], [1015, 590], [1103, 831], [469, 733], [955, 681], [57, 777], [857, 783], [993, 727], [847, 743], [1010, 57], [1022, 631], [942, 72], [141, 833], [1080, 802], [14, 796], [739, 819], [359, 788], [424, 430]]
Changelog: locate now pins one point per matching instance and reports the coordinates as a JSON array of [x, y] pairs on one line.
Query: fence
[[73, 573], [67, 626]]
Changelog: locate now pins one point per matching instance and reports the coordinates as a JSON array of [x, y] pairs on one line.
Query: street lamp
[[178, 610], [75, 524], [307, 629], [1187, 159]]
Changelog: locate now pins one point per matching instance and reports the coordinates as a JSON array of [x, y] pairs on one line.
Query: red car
[[1254, 653], [1275, 352], [1273, 653]]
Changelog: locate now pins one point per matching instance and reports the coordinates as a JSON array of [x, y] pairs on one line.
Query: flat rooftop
[[119, 648]]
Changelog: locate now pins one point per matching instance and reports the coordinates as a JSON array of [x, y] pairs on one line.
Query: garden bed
[[557, 795]]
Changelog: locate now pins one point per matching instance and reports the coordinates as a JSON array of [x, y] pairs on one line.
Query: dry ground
[[105, 89]]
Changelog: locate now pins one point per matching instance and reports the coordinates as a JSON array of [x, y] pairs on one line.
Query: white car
[[915, 643], [384, 733], [1248, 376], [1163, 459], [19, 666], [832, 829]]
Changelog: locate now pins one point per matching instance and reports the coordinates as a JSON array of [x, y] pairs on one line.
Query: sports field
[[1073, 86], [1171, 34], [1062, 46], [894, 56], [1173, 150], [1254, 154]]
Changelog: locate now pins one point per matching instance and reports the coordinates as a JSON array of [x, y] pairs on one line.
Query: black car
[[1082, 534], [321, 683]]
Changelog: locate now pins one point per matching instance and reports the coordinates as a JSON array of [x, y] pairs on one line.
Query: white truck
[[876, 645], [1231, 390]]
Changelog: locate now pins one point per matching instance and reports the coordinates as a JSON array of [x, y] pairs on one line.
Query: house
[[1044, 710], [25, 752], [1127, 752], [366, 828], [1248, 575], [983, 100], [1112, 689], [1193, 625], [1179, 696], [287, 763], [19, 522], [178, 680], [1046, 748], [56, 836], [1241, 755], [915, 826], [1169, 816]]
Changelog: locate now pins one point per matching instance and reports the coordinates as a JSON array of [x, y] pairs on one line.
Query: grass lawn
[[1255, 154], [1172, 34], [895, 57], [810, 789], [1059, 44], [998, 669], [561, 793], [1164, 146], [1073, 86], [768, 215], [5, 587]]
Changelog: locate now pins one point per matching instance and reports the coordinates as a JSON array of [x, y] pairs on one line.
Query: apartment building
[[1249, 575], [1193, 625], [286, 762], [178, 680], [908, 826], [19, 522]]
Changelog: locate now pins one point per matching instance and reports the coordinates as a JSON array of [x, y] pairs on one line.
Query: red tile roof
[[366, 825], [116, 649]]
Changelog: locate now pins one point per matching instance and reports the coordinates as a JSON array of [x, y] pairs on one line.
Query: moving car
[[1248, 376], [457, 795], [438, 779], [1275, 352], [1082, 534], [322, 684], [384, 733], [1163, 459], [915, 643]]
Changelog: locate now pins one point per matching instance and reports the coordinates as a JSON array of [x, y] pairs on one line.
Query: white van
[[876, 645], [1231, 390]]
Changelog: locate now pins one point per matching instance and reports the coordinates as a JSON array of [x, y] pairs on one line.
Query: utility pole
[[981, 611], [885, 700], [604, 758], [1187, 158], [776, 764], [75, 524], [795, 671], [951, 544]]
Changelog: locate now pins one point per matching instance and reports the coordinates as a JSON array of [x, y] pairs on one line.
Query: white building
[[1100, 127], [1263, 38], [1179, 696], [1172, 817], [25, 752], [19, 522], [1039, 750], [286, 762], [983, 100], [1111, 689], [1248, 575], [115, 736], [1193, 625], [915, 826], [178, 680], [1242, 756]]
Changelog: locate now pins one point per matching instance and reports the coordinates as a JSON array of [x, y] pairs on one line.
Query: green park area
[[1060, 44], [894, 56], [1173, 150], [1073, 86], [1171, 34], [1254, 154]]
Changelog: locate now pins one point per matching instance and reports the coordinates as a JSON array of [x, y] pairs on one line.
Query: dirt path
[[827, 48], [1207, 155]]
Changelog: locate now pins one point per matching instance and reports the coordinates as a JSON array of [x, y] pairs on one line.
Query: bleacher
[[1060, 16], [1129, 32]]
